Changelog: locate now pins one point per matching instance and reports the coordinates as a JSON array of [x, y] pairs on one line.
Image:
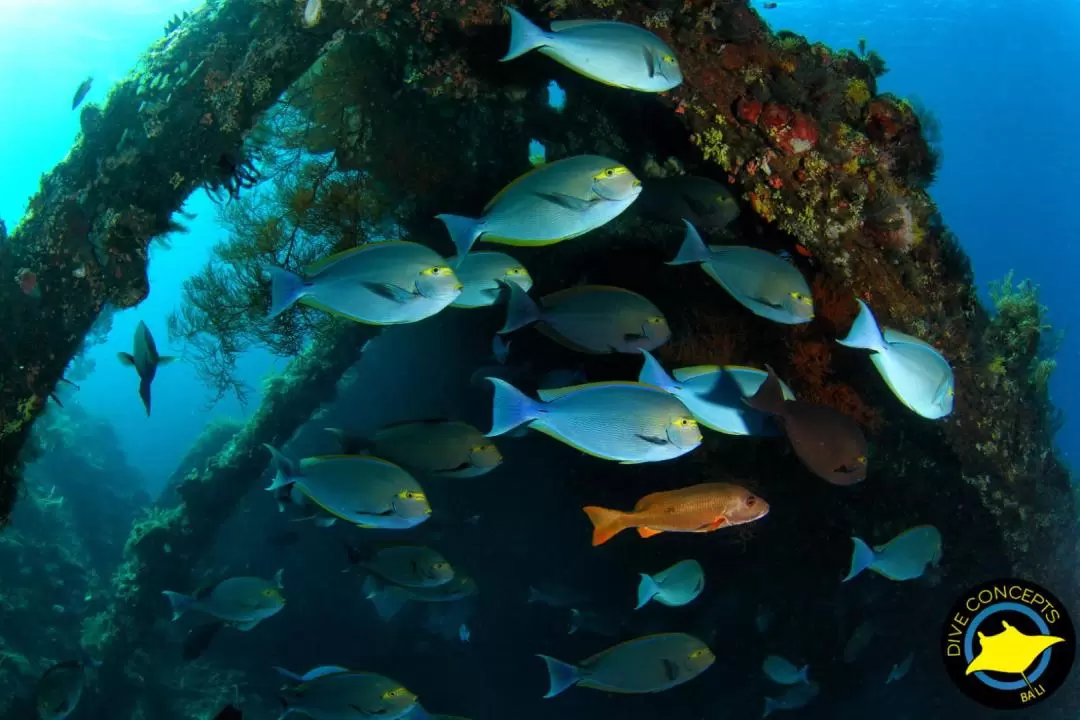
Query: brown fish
[[699, 508], [829, 443]]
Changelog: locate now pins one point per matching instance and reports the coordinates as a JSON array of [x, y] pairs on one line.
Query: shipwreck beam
[[176, 123]]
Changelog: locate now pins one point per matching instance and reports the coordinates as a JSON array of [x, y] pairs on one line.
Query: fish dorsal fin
[[553, 393], [689, 373], [561, 25], [312, 461], [569, 292], [512, 184], [320, 265]]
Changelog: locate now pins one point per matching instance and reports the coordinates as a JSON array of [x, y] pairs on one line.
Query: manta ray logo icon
[[1008, 644]]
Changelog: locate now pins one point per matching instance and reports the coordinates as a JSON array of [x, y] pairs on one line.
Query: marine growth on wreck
[[331, 128]]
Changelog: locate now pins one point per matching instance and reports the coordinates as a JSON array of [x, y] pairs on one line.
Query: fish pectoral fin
[[569, 201], [671, 670], [713, 524], [463, 466], [650, 61], [653, 439], [845, 469], [631, 337], [390, 291], [361, 712], [648, 532], [763, 301]]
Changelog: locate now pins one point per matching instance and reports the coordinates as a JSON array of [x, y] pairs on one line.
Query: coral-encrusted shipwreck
[[826, 168]]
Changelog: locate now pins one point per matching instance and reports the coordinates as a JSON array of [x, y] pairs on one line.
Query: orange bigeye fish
[[700, 508]]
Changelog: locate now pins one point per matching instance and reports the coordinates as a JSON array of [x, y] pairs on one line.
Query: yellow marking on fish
[[437, 271], [611, 172], [411, 495], [518, 242], [395, 693], [517, 272]]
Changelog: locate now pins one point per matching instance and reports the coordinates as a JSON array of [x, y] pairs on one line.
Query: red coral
[[811, 361], [791, 131], [834, 305], [884, 121], [748, 110]]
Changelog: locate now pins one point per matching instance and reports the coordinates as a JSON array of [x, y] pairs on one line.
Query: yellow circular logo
[[1008, 644]]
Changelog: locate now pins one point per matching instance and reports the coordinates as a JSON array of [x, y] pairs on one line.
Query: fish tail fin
[[606, 523], [653, 373], [286, 470], [862, 557], [285, 289], [288, 675], [864, 332], [144, 393], [646, 591], [179, 602], [126, 359], [770, 705], [463, 231], [693, 248], [520, 309], [561, 675], [387, 602], [510, 408], [770, 396], [524, 35]]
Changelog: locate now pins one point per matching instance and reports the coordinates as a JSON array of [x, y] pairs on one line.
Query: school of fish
[[375, 480]]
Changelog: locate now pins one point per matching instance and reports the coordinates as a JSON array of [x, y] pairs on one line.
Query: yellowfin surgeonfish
[[644, 665], [916, 372], [436, 448], [243, 602], [331, 693], [679, 585], [549, 204], [367, 491], [595, 319], [905, 557], [385, 283], [613, 53], [761, 282], [624, 421], [715, 395], [146, 360], [481, 273]]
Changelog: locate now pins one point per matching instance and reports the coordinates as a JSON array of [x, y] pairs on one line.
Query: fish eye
[[751, 501], [515, 271], [391, 694], [698, 653], [436, 271], [669, 59], [611, 172], [656, 320], [861, 459]]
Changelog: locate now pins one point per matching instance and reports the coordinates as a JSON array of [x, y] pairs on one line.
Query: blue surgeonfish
[[385, 283], [59, 690], [331, 693], [613, 53], [481, 272], [916, 373], [367, 491], [905, 557], [594, 319], [549, 204], [715, 395], [243, 602], [146, 360], [679, 585], [623, 421], [761, 282], [643, 665], [782, 671]]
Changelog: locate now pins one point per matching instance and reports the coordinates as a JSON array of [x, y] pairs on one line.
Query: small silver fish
[[644, 665], [385, 283], [759, 281], [905, 557], [146, 360], [595, 319], [481, 272], [549, 204], [313, 10], [612, 53], [914, 370], [367, 491], [622, 421], [679, 585], [243, 602], [59, 690]]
